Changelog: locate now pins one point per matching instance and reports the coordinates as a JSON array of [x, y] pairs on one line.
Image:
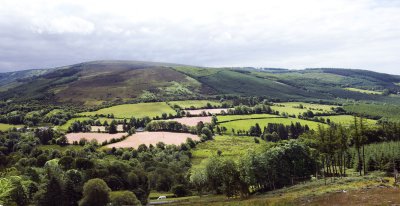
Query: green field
[[230, 146], [5, 127], [134, 110], [194, 103], [347, 120], [246, 124], [310, 106], [65, 126], [292, 108], [363, 91], [227, 118]]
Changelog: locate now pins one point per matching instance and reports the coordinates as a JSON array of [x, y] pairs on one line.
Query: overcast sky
[[363, 34]]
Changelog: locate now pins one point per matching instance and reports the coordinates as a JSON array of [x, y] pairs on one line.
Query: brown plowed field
[[153, 138], [192, 121], [100, 137]]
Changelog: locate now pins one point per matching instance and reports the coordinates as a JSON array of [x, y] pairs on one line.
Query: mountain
[[92, 83]]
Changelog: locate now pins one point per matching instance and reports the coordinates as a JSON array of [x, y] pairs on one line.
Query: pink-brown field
[[199, 111], [192, 121], [100, 137], [153, 138]]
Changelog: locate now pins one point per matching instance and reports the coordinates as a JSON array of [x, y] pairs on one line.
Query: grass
[[227, 118], [5, 127], [300, 194], [364, 91], [194, 103], [156, 194], [347, 120], [230, 146], [134, 110], [290, 108], [65, 126], [310, 106], [247, 123]]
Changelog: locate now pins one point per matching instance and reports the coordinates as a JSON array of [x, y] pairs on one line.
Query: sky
[[361, 34]]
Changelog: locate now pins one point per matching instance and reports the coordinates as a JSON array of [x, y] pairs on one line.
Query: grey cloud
[[358, 34]]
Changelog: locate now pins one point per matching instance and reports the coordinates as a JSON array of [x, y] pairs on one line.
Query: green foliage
[[375, 111], [95, 192], [121, 198]]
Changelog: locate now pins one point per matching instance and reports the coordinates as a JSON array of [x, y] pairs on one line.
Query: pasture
[[187, 104], [65, 126], [192, 121], [139, 110], [364, 91], [310, 106], [230, 146], [347, 120], [227, 118], [5, 127], [153, 138], [100, 137], [292, 108], [200, 111], [247, 123]]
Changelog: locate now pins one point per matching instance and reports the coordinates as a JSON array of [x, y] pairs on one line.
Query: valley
[[215, 136]]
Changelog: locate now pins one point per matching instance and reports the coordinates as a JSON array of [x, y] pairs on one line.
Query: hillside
[[93, 83]]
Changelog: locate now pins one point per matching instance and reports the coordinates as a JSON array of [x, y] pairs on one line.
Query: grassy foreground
[[316, 192]]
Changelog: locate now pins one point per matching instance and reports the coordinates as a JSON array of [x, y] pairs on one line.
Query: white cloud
[[287, 33]]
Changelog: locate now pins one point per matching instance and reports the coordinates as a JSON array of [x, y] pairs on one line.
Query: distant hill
[[93, 83]]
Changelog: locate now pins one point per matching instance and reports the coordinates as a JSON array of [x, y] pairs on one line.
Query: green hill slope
[[93, 83]]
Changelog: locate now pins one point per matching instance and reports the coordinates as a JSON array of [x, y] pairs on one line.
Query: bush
[[123, 198], [95, 192], [180, 190]]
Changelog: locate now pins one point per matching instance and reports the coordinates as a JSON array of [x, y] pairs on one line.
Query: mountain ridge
[[97, 82]]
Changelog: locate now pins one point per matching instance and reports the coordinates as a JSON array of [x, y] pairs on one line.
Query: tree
[[122, 198], [180, 190], [95, 192], [199, 179], [214, 120], [357, 140], [18, 194], [53, 193], [66, 162], [207, 132], [112, 129]]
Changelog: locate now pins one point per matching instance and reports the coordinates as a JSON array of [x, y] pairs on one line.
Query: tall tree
[[95, 192]]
